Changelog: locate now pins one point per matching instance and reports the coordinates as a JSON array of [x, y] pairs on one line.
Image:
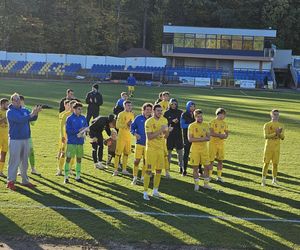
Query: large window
[[189, 41], [248, 43], [178, 40], [258, 43], [237, 42], [226, 42], [211, 41], [200, 41]]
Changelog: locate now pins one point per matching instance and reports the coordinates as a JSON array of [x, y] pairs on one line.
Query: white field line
[[243, 92], [127, 212]]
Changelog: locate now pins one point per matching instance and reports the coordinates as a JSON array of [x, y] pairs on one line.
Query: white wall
[[85, 61], [2, 55], [58, 58], [76, 59], [16, 56], [245, 65], [114, 60], [36, 57], [156, 61], [135, 61], [282, 58]]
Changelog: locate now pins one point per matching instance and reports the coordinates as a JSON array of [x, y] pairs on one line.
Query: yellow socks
[[1, 166], [274, 170], [124, 162], [146, 181], [219, 173], [157, 178], [117, 160], [61, 162], [265, 169], [210, 173]]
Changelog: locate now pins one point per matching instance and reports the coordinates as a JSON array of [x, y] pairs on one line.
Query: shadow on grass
[[9, 227]]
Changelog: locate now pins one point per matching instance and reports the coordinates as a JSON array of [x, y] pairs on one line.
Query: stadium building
[[221, 56]]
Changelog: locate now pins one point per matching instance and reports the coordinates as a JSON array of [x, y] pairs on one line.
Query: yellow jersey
[[3, 125], [270, 133], [153, 125], [122, 124], [219, 127], [198, 130], [63, 119], [164, 105]]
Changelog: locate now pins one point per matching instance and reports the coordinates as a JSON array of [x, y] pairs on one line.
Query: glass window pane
[[211, 41], [187, 35], [247, 43], [226, 42], [200, 36], [237, 42], [189, 43], [258, 43], [178, 40], [200, 43]]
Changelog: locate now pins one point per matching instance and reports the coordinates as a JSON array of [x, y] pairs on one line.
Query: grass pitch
[[106, 209]]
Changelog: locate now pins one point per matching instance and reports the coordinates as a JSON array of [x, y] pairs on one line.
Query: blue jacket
[[18, 120], [73, 125], [120, 102], [131, 81], [138, 127], [186, 119]]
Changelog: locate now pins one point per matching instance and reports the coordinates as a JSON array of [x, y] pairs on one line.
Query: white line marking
[[243, 92], [115, 211]]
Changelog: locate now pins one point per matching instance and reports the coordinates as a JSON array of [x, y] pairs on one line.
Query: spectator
[[94, 100], [70, 97], [19, 134]]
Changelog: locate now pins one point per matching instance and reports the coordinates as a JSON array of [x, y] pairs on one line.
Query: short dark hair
[[198, 112], [274, 110], [220, 111], [22, 98], [69, 90], [3, 100], [146, 105], [77, 105], [126, 102], [156, 106], [66, 101]]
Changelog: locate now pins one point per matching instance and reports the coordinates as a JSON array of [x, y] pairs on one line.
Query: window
[[248, 43], [219, 41], [200, 41], [211, 41], [258, 43], [178, 40], [168, 38], [237, 42], [226, 42], [189, 41]]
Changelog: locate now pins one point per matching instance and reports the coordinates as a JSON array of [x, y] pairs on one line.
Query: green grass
[[242, 194]]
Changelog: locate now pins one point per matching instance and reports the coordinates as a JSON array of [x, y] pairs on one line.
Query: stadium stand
[[250, 74]]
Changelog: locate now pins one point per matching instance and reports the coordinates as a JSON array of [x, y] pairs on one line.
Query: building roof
[[136, 52], [219, 31]]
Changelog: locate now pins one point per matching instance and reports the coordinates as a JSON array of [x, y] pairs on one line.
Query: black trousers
[[90, 114], [97, 152]]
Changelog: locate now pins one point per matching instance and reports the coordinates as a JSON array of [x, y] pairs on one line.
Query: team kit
[[159, 129]]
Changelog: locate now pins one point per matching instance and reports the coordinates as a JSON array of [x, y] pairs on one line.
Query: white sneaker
[[59, 173], [134, 181], [207, 186], [196, 188], [146, 197], [275, 182], [156, 194], [142, 179], [116, 172], [220, 179], [263, 182], [125, 172], [98, 165]]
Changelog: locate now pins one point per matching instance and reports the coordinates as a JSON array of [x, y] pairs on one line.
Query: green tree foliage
[[108, 27]]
